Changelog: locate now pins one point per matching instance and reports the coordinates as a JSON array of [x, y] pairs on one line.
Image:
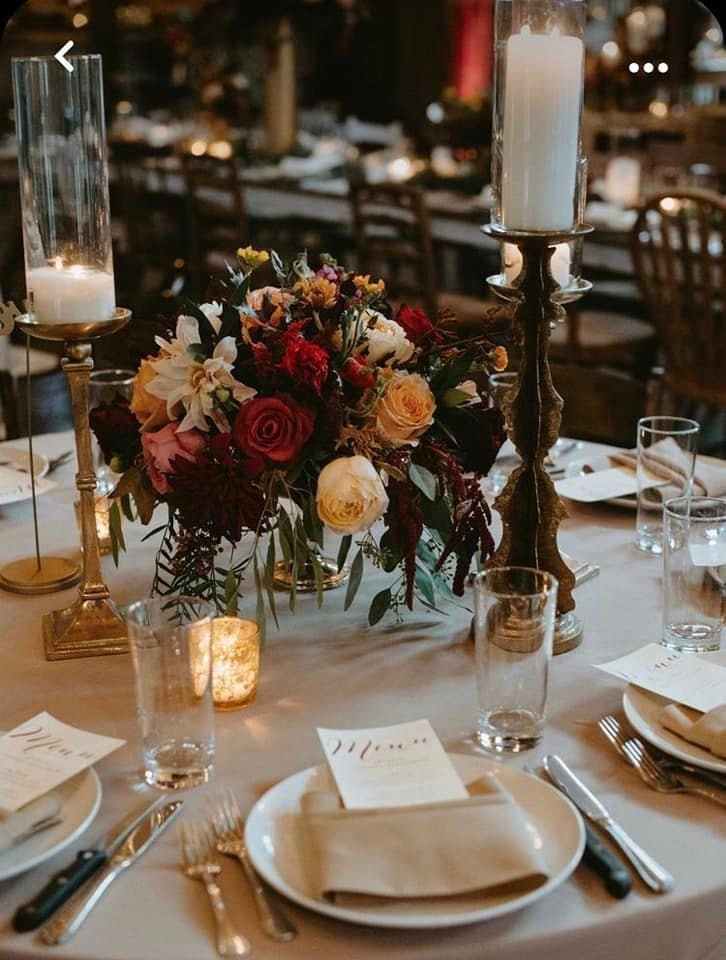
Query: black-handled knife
[[607, 865], [62, 884]]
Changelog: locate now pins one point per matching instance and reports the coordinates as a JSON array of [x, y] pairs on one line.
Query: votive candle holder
[[235, 662]]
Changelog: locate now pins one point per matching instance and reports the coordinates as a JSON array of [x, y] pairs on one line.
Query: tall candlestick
[[542, 103], [70, 294]]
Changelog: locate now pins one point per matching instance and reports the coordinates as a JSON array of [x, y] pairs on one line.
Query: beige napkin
[[707, 730], [480, 843], [666, 460], [16, 826]]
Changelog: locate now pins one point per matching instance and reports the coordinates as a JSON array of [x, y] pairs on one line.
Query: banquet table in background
[[329, 669]]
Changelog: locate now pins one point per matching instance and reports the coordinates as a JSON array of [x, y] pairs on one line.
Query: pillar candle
[[70, 294], [542, 102]]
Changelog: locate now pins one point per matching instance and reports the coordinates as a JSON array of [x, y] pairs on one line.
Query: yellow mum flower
[[250, 259], [363, 283], [320, 293]]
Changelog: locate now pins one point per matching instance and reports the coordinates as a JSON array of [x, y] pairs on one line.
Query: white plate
[[17, 458], [272, 838], [642, 708], [81, 798]]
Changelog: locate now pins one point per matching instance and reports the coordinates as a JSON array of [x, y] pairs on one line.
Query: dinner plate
[[642, 708], [15, 476], [272, 835], [16, 458], [80, 800]]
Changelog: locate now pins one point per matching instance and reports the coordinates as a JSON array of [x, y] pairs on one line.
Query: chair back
[[601, 404], [217, 216], [393, 240], [679, 257]]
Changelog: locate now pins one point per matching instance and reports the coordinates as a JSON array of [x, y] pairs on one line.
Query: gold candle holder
[[91, 625], [235, 662]]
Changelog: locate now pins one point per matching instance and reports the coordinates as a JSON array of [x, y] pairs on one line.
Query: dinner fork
[[650, 773], [200, 864], [228, 828]]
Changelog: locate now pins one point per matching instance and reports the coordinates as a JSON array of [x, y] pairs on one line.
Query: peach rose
[[149, 411], [405, 410], [350, 495], [161, 447]]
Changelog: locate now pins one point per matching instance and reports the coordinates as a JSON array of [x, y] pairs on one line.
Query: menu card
[[605, 484], [394, 766], [41, 754], [681, 677]]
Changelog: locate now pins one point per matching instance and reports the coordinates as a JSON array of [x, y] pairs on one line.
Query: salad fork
[[650, 773], [228, 828], [200, 864]]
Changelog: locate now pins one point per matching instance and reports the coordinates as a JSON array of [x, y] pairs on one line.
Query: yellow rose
[[149, 411], [350, 495], [405, 410]]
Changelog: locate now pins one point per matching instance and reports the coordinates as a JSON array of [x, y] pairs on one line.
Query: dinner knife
[[648, 869], [607, 865], [69, 918], [66, 881]]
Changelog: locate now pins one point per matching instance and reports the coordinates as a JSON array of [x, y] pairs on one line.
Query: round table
[[326, 668]]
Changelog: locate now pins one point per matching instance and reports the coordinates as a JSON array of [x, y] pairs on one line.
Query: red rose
[[275, 428], [305, 362], [357, 372], [415, 323]]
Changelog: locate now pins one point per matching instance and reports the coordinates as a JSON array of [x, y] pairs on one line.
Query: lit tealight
[[235, 661]]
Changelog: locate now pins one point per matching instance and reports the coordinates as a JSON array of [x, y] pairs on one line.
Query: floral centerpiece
[[284, 411]]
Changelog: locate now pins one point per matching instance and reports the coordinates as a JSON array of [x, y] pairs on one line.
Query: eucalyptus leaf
[[319, 575], [422, 478], [231, 592], [453, 397], [379, 606], [270, 579], [356, 575], [425, 584], [343, 550]]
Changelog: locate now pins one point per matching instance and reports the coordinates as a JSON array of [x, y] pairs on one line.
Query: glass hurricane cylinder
[[538, 91], [235, 662], [63, 168]]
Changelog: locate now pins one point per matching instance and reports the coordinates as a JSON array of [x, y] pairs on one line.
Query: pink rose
[[162, 447]]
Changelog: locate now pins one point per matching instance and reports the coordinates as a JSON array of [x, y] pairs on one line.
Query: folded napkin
[[17, 826], [707, 730], [480, 843], [665, 460]]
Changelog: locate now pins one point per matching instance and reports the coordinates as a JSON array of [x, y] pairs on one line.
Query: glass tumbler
[[666, 460], [694, 573], [171, 649], [106, 386], [513, 627]]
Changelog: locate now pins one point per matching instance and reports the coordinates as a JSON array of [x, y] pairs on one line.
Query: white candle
[[542, 101], [559, 264], [70, 294]]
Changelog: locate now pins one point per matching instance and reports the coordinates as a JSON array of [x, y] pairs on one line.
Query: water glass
[[694, 573], [171, 649], [107, 386], [666, 460], [500, 385], [513, 627]]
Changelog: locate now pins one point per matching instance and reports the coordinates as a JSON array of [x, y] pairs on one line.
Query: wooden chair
[[217, 217], [601, 404], [393, 240], [678, 251]]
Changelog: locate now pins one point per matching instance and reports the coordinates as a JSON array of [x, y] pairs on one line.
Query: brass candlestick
[[529, 506], [90, 626]]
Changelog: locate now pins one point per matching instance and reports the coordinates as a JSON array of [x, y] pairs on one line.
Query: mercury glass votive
[[102, 507], [235, 662]]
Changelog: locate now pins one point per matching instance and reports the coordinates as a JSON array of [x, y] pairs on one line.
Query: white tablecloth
[[330, 669]]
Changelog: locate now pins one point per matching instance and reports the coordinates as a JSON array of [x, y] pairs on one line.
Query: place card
[[395, 766], [605, 484], [42, 753], [681, 677]]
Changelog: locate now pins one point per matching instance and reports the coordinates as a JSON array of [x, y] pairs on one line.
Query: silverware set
[[223, 833], [670, 778]]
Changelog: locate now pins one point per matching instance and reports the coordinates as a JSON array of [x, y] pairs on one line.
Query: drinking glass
[[500, 386], [666, 460], [106, 386], [170, 639], [694, 573], [513, 627]]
